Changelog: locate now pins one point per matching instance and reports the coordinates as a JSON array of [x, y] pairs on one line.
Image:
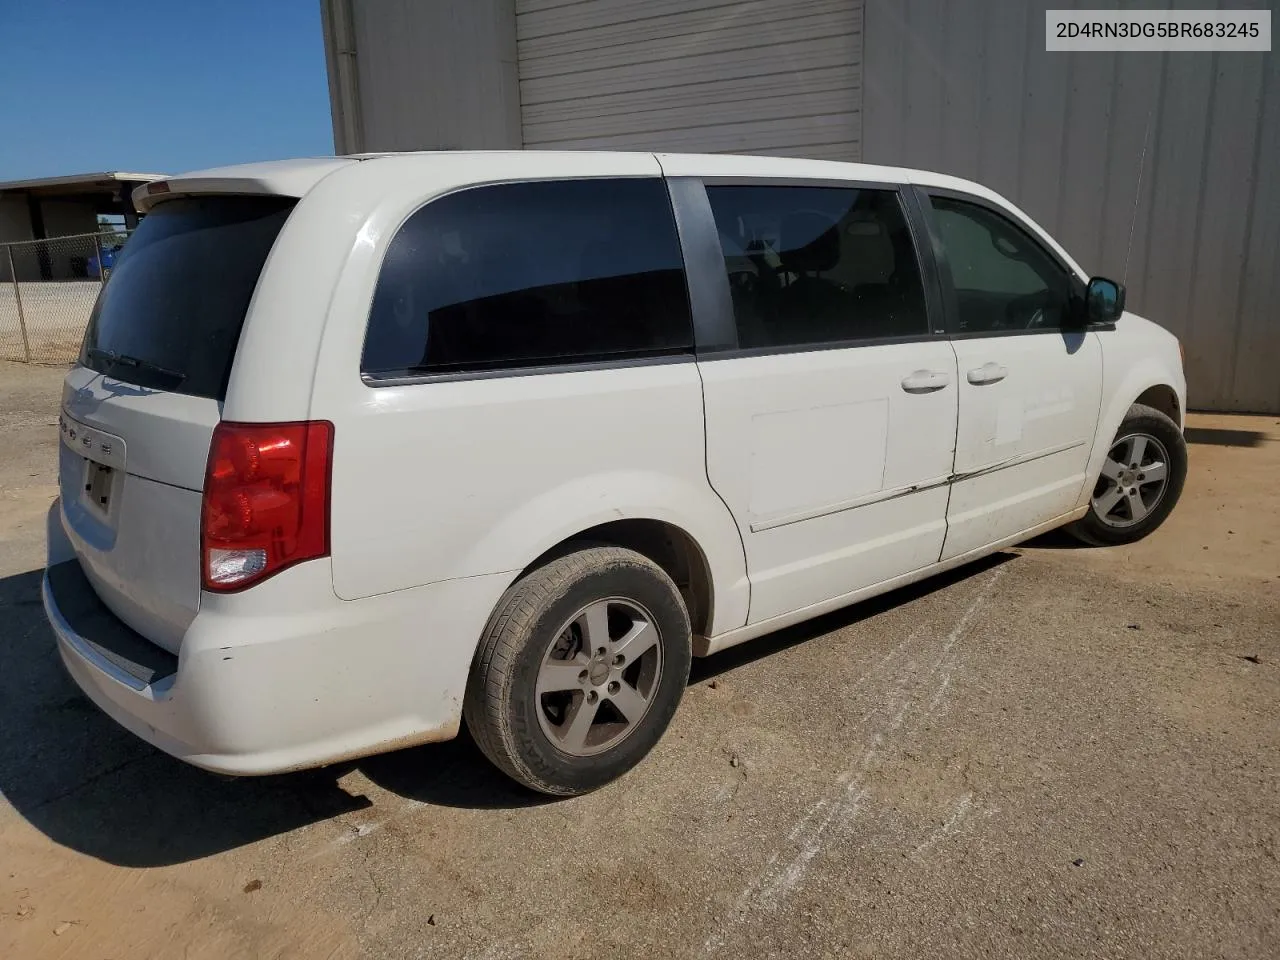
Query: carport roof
[[78, 183]]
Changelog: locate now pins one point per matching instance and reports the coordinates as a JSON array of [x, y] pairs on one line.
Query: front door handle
[[925, 381], [991, 372]]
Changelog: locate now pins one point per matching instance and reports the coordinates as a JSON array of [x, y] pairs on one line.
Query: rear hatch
[[139, 410]]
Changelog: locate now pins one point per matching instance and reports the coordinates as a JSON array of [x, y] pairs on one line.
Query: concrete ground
[[1056, 753]]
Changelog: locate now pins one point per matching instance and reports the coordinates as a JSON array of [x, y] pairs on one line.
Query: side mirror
[[1104, 300]]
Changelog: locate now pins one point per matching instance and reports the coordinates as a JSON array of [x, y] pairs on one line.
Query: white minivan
[[358, 447]]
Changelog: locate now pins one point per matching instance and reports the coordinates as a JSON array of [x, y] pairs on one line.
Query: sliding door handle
[[925, 381], [987, 373]]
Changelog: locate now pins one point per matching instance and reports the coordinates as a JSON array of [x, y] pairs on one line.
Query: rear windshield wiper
[[127, 360]]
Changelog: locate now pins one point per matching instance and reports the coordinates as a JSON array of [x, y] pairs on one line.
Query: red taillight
[[266, 500]]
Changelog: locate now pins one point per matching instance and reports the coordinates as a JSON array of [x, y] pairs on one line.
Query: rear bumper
[[282, 676]]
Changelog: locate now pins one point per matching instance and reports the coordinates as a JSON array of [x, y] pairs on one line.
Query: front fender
[[1135, 380]]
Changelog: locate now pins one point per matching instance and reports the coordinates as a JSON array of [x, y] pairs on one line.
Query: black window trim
[[714, 328], [923, 194], [710, 301], [654, 360], [569, 366], [927, 256]]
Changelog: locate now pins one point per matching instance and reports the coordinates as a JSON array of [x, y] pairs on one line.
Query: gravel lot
[[55, 314], [1056, 753]]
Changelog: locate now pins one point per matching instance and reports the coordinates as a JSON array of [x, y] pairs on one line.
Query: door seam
[[955, 452], [706, 469]]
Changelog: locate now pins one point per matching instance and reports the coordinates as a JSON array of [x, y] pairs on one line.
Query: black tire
[[502, 705], [1141, 419]]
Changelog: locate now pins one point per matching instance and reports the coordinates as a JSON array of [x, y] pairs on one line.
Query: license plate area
[[99, 488]]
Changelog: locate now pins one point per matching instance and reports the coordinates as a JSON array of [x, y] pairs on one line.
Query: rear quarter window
[[171, 314], [531, 274]]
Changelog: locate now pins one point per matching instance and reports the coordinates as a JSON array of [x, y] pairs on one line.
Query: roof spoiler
[[277, 178]]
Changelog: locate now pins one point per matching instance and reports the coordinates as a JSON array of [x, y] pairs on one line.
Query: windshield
[[171, 314]]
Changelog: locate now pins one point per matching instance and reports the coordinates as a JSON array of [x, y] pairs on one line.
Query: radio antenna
[[1137, 195]]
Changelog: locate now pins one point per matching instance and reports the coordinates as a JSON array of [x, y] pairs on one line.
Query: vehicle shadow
[[89, 785], [708, 668], [1219, 437], [1058, 539]]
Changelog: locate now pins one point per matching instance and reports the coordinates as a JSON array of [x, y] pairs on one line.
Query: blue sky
[[165, 87]]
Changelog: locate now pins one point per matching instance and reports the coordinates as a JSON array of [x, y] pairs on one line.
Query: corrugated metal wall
[[760, 76], [414, 75], [1162, 168]]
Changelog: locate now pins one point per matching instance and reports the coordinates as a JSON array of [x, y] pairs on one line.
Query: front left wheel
[[580, 670], [1140, 481]]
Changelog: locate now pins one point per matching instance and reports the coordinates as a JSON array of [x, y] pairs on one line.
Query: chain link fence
[[47, 290]]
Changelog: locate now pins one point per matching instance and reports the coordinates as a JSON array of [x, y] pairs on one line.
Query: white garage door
[[782, 77]]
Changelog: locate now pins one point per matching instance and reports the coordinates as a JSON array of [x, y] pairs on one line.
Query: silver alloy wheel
[[1133, 481], [599, 676]]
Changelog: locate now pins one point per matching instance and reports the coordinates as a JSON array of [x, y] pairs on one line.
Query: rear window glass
[[170, 316], [528, 274]]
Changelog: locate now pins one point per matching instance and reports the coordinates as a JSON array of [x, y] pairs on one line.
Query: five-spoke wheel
[[598, 677], [1134, 479]]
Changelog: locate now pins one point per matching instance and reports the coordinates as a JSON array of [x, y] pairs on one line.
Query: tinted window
[[1004, 279], [818, 264], [170, 317], [524, 274]]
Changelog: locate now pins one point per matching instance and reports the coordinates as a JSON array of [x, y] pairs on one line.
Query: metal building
[[58, 206], [1159, 168]]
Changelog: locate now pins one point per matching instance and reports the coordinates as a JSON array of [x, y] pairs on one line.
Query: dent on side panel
[[850, 548], [1001, 503], [798, 447], [1024, 438]]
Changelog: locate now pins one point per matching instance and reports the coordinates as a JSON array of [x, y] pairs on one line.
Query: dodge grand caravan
[[358, 447]]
